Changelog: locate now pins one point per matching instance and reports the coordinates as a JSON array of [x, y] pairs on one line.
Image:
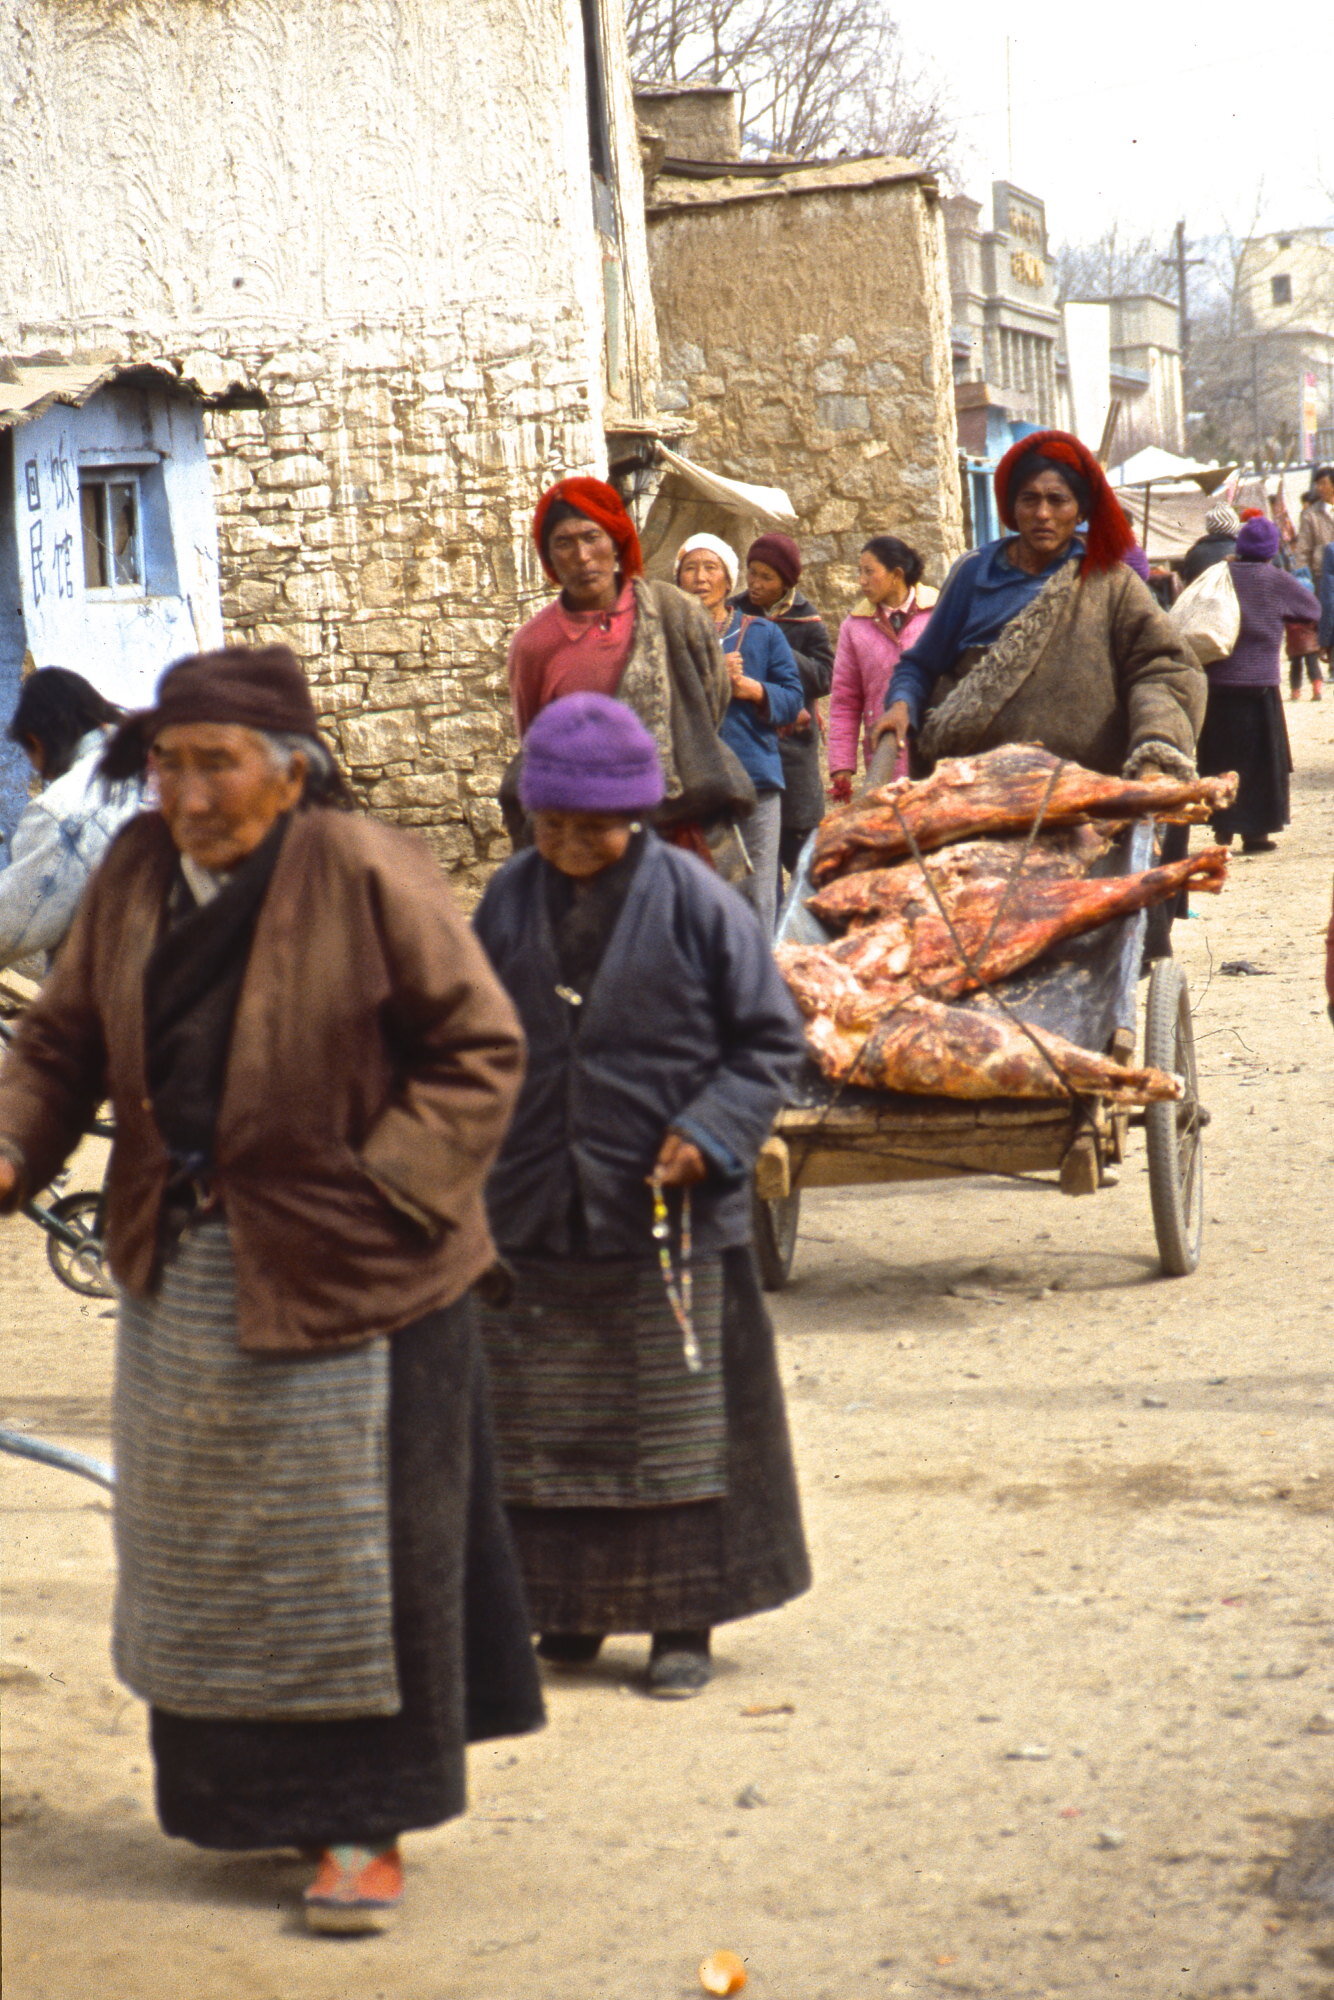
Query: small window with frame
[[112, 522], [1280, 290]]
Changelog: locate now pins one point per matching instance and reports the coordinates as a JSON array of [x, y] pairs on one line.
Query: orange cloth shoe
[[355, 1889]]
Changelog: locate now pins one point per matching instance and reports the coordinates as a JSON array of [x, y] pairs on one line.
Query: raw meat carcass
[[999, 791], [824, 988], [933, 1050], [1065, 854], [993, 930]]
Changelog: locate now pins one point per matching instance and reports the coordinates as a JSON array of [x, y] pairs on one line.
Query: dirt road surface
[[1056, 1719]]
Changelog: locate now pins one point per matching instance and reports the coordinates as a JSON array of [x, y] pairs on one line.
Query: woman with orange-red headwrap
[[1047, 636], [613, 632]]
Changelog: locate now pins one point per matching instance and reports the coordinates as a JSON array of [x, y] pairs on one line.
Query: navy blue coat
[[687, 1025]]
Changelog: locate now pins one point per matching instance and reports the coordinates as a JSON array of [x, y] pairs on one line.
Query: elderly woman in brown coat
[[311, 1067]]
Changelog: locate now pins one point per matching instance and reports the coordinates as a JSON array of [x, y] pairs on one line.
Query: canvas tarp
[[692, 500]]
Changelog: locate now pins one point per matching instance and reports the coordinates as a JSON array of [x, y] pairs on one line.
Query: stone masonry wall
[[371, 221], [807, 338], [375, 516]]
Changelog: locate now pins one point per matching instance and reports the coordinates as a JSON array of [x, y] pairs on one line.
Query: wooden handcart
[[1085, 990]]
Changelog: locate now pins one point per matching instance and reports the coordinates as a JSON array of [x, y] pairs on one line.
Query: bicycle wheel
[[80, 1265]]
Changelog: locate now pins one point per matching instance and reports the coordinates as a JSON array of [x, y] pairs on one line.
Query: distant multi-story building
[[1146, 373], [1285, 284], [1014, 359], [1006, 325]]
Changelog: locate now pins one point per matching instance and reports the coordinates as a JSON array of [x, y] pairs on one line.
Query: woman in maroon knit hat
[[773, 570], [311, 1067], [1047, 636]]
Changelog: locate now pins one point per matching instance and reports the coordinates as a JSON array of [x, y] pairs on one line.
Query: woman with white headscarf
[[766, 695]]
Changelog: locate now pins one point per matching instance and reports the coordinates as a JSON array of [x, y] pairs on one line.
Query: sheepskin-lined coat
[[1091, 668]]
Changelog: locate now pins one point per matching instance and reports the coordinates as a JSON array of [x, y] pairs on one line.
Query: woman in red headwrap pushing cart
[[1047, 636]]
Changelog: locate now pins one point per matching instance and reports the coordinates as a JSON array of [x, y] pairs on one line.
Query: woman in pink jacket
[[888, 618]]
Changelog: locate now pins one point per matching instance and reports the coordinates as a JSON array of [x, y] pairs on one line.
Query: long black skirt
[[461, 1636], [697, 1563], [1246, 731]]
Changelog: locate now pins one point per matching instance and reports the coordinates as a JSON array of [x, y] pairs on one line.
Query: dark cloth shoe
[[570, 1649], [678, 1665], [1258, 846]]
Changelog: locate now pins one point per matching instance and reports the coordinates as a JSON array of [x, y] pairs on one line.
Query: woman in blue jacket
[[643, 1445], [767, 694]]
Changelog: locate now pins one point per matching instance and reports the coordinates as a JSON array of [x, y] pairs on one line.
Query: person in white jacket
[[60, 724]]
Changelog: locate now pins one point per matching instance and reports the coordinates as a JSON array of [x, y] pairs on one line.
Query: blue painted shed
[[108, 540]]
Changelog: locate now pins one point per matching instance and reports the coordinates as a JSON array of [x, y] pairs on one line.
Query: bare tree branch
[[814, 76], [1111, 265]]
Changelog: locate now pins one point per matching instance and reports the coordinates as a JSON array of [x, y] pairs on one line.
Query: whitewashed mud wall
[[375, 214]]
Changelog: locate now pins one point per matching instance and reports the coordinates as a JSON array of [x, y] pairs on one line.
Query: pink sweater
[[563, 652], [864, 662]]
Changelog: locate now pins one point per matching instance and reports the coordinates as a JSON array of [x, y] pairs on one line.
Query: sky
[[1145, 112]]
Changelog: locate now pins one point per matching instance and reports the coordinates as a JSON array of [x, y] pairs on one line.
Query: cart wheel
[[776, 1239], [1174, 1131], [83, 1269]]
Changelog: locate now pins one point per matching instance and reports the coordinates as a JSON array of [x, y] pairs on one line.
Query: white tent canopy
[[1153, 467], [769, 504]]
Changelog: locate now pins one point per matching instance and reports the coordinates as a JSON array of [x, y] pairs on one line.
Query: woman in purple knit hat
[[1244, 730], [643, 1443]]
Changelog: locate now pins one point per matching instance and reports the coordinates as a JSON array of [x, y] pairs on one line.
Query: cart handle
[[64, 1460]]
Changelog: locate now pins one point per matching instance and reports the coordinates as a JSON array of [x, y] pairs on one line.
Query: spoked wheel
[[776, 1239], [80, 1265], [1175, 1132]]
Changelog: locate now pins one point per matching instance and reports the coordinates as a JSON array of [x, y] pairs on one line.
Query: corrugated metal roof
[[31, 383]]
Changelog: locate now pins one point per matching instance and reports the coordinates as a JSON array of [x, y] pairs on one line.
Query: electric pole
[[1183, 264]]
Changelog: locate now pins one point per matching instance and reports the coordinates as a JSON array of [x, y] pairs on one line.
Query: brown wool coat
[[373, 1068]]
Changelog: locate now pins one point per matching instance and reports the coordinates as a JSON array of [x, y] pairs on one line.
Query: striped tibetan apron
[[594, 1405], [252, 1510]]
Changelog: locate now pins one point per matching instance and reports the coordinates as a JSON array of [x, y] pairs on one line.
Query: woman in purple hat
[[643, 1442], [1244, 730]]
